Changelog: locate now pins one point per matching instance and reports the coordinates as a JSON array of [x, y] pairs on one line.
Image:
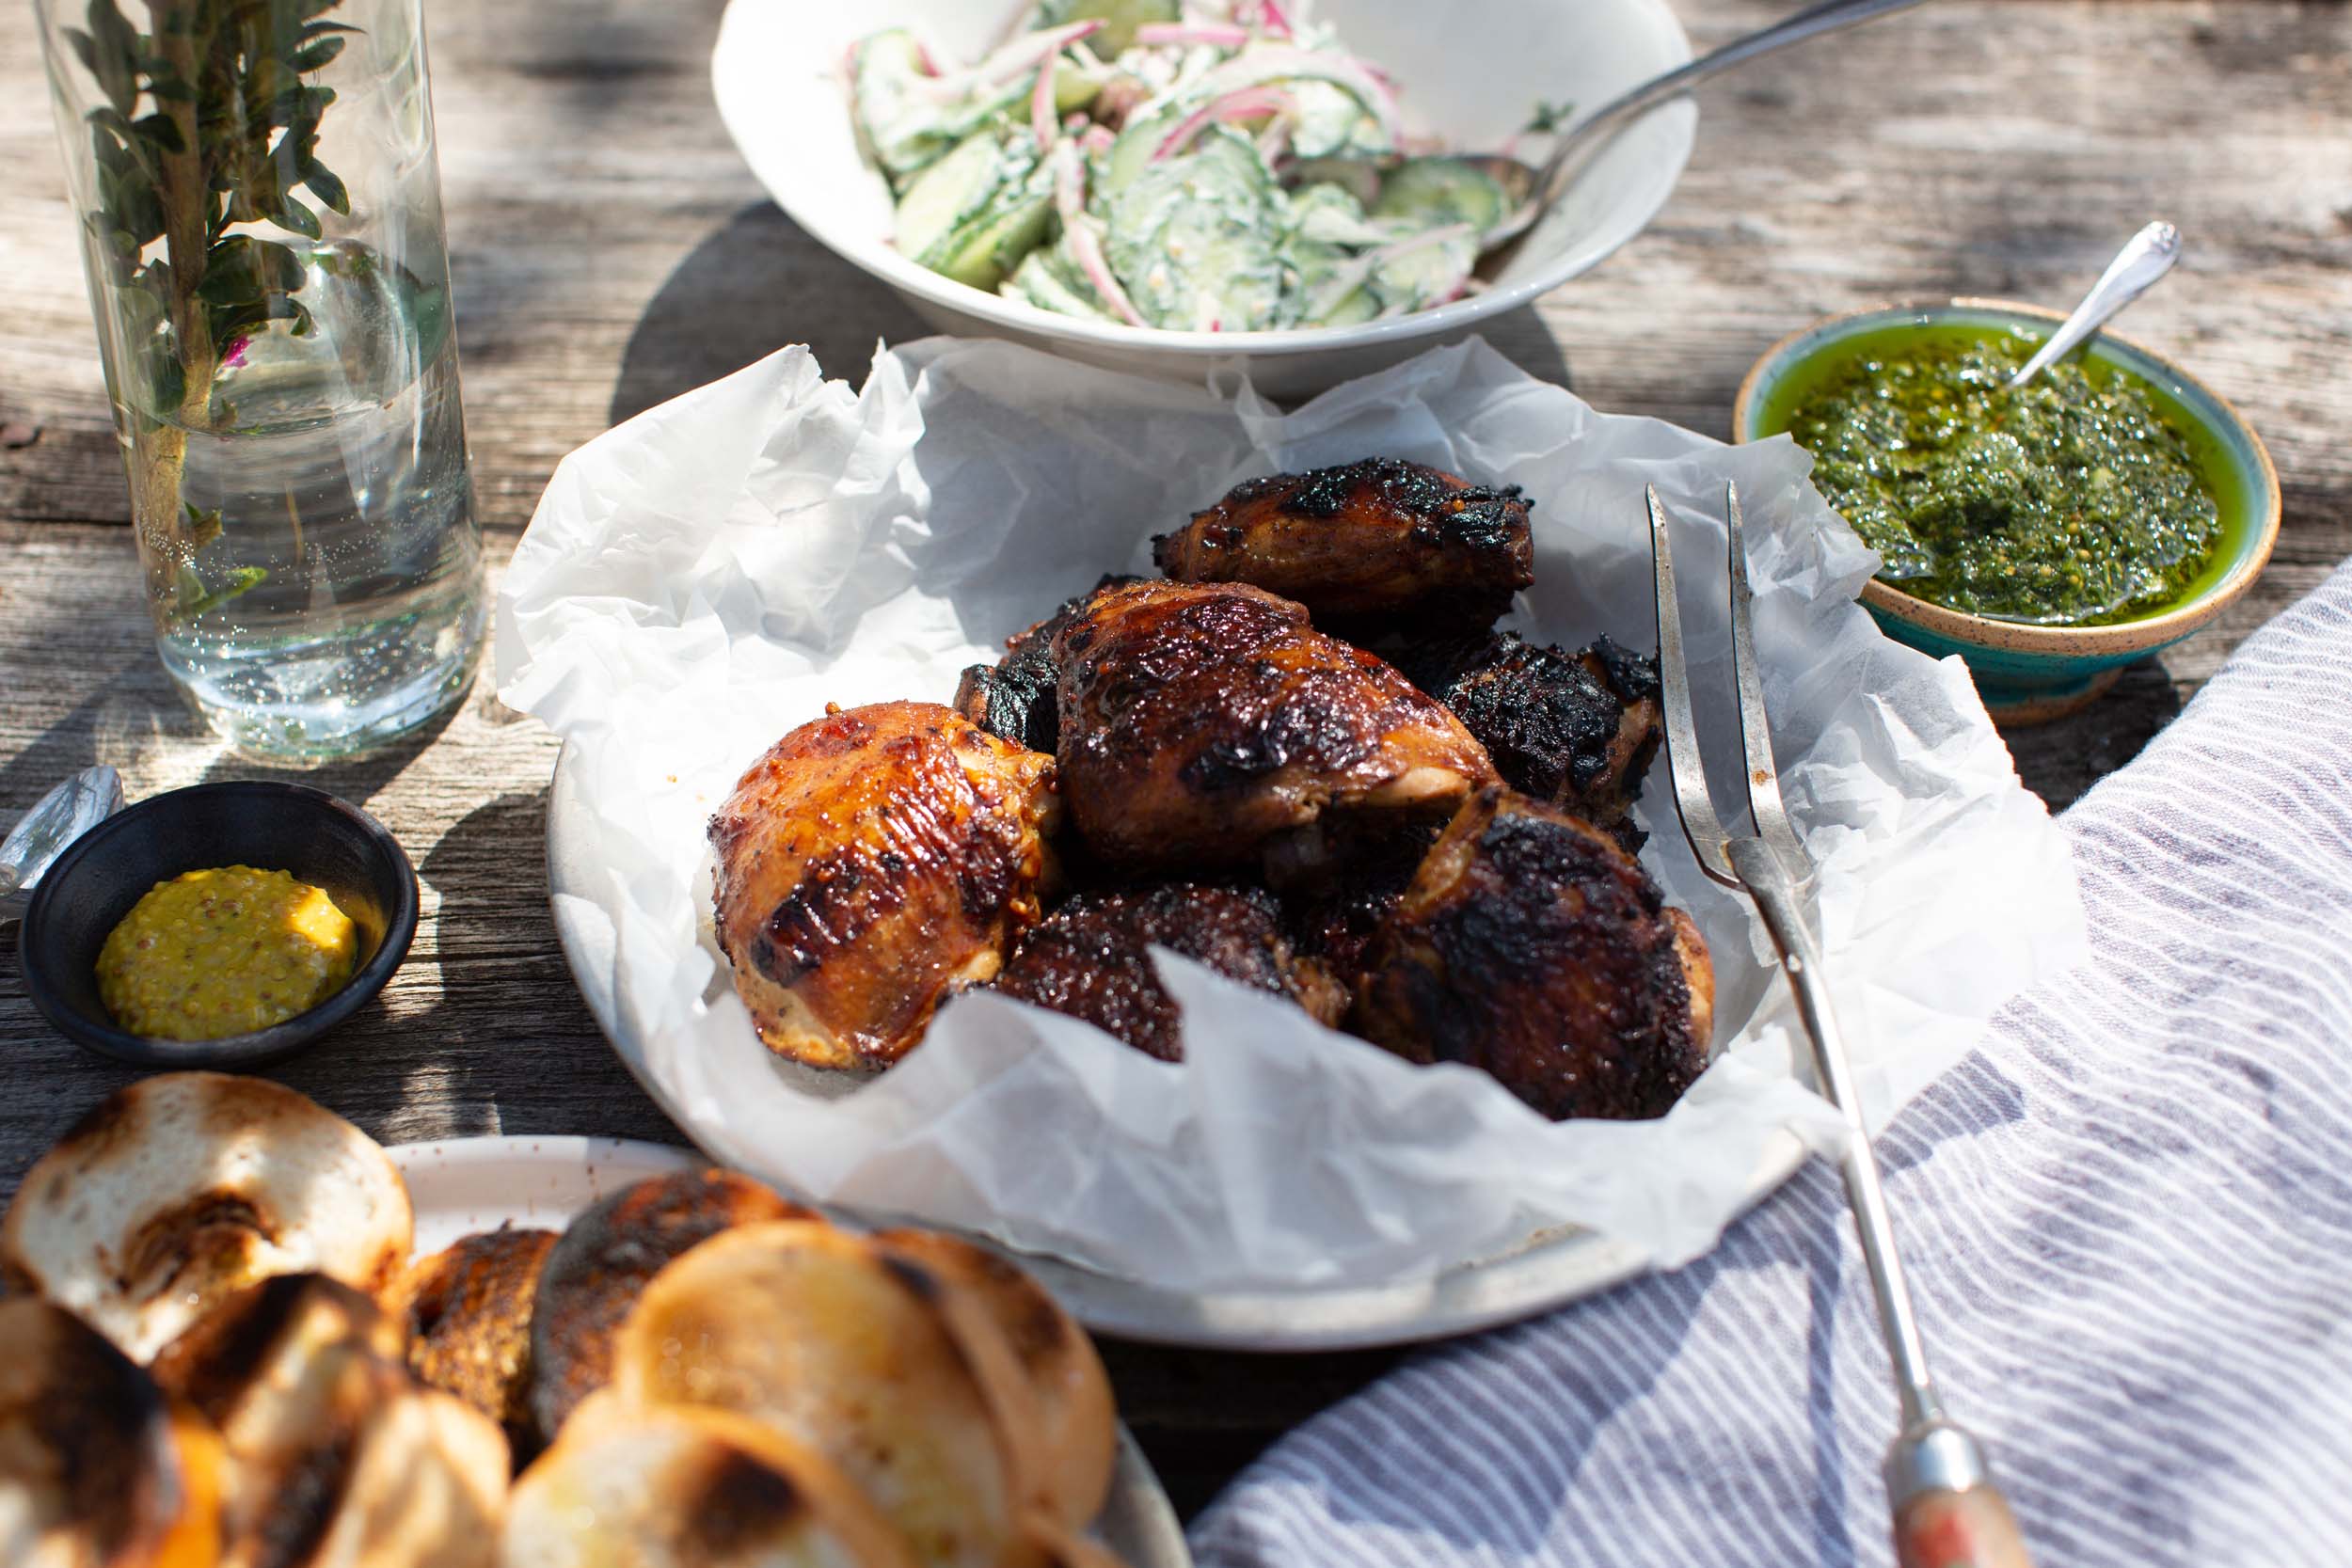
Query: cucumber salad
[[1226, 166]]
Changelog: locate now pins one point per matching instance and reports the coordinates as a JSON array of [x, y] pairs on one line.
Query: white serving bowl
[[1473, 72]]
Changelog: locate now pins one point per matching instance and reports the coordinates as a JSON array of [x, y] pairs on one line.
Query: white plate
[[1549, 1271], [773, 73], [470, 1184]]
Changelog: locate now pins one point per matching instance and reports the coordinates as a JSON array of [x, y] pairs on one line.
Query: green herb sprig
[[208, 124]]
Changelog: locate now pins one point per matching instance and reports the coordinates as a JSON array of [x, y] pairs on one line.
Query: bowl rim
[[886, 263], [256, 1047], [2024, 637]]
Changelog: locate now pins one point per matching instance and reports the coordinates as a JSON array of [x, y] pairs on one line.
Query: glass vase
[[260, 209]]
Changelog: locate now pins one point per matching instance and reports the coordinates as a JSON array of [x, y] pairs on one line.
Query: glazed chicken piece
[[1090, 959], [1531, 946], [1375, 538], [1577, 730], [1016, 697], [869, 862], [1199, 722]]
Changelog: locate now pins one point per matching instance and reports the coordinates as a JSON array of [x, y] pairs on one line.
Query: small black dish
[[305, 832]]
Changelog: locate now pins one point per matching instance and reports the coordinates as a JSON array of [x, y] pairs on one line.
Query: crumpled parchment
[[709, 575]]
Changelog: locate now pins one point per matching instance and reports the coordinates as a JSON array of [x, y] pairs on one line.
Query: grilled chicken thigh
[[1578, 730], [1532, 947], [1375, 538], [1090, 959], [870, 860], [1016, 697], [1199, 722]]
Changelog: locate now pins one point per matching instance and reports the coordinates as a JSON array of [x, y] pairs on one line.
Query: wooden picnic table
[[611, 250]]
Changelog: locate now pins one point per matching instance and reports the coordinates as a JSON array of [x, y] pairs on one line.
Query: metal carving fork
[[1947, 1513]]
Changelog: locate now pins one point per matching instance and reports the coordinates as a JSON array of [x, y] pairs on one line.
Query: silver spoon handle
[[2146, 257], [1594, 129]]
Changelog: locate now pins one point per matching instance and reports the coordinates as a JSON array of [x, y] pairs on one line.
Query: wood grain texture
[[609, 251]]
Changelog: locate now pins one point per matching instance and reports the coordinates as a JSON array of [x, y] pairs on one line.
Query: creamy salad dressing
[[1229, 170]]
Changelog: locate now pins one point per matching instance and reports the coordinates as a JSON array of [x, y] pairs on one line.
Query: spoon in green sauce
[[2145, 257]]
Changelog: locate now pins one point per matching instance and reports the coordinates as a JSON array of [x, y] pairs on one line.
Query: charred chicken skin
[[1091, 960], [1577, 730], [1199, 722], [1016, 697], [869, 862], [1375, 538], [1531, 946]]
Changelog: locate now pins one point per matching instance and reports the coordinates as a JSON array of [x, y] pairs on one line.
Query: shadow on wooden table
[[750, 288], [2061, 762], [761, 283]]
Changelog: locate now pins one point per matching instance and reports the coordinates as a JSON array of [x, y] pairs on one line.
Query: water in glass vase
[[322, 590]]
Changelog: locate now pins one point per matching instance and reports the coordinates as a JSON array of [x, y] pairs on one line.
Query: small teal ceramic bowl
[[2029, 674]]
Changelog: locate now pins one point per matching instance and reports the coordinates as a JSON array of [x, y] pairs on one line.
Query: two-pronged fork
[[1947, 1513]]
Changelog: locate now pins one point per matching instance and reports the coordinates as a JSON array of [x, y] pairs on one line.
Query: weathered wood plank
[[609, 251]]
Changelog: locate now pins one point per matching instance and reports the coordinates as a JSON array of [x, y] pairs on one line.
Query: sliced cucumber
[[1331, 122], [901, 133], [1194, 239], [1131, 154], [1327, 216], [1119, 19], [988, 244], [1425, 274], [950, 192], [1430, 193], [1038, 282]]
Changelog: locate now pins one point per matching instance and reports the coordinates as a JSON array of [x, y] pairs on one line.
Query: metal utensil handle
[[2146, 257], [1770, 882], [1596, 129]]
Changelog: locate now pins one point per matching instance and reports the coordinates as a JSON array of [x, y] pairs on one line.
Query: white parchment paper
[[707, 577]]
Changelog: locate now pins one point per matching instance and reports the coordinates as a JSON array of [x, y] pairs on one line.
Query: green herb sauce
[[2072, 502]]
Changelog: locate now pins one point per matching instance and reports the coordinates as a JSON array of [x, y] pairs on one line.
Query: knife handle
[[1974, 1529]]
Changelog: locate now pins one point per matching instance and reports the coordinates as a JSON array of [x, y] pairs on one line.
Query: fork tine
[[1756, 732], [1687, 767]]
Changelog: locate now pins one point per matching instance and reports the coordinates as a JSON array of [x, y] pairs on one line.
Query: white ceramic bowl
[[1473, 72]]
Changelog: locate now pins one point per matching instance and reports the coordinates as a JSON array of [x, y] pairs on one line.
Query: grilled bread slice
[[688, 1487], [468, 1312], [183, 1188], [1045, 1384], [336, 1456], [97, 1469], [592, 1275], [842, 1347]]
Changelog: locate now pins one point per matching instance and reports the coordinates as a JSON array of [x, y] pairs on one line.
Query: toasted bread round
[[594, 1273], [96, 1468], [1038, 1369], [183, 1188], [335, 1454], [467, 1311], [287, 1336], [842, 1346], [686, 1487]]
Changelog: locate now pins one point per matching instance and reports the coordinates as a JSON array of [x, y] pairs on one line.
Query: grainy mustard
[[224, 952]]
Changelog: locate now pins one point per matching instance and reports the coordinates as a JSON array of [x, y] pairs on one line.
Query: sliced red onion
[[1042, 102], [1097, 267], [1070, 199], [1286, 62], [1242, 103], [1214, 35], [1022, 55], [1270, 17]]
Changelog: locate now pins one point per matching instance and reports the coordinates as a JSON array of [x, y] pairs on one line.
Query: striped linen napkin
[[2128, 1219]]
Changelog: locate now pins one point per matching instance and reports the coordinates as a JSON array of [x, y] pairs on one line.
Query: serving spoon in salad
[[1537, 190]]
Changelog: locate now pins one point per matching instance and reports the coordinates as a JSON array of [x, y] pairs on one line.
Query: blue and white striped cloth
[[2128, 1220]]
